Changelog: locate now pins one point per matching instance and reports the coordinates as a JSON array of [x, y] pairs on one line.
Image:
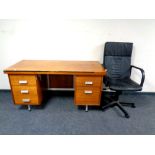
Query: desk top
[[56, 67]]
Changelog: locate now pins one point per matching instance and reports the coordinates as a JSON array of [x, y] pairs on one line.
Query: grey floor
[[58, 115]]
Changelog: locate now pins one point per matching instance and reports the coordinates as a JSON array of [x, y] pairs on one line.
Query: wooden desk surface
[[56, 67]]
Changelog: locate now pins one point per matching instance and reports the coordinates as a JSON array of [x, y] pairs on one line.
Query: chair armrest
[[142, 72]]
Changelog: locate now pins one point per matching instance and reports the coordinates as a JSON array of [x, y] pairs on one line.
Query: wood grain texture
[[15, 80], [56, 67], [32, 86], [32, 95], [47, 73], [88, 81], [82, 98], [32, 90], [60, 81]]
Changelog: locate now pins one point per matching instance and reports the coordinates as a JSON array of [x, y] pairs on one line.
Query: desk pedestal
[[26, 89]]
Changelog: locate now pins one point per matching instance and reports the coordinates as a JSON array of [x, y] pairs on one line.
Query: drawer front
[[24, 91], [20, 100], [25, 95], [87, 96], [87, 81], [23, 80]]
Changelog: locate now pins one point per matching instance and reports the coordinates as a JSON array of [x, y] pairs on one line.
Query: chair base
[[120, 106], [128, 104]]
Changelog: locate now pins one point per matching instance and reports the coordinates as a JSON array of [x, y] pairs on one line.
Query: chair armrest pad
[[142, 72]]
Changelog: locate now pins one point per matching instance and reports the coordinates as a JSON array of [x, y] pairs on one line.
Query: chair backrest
[[117, 59]]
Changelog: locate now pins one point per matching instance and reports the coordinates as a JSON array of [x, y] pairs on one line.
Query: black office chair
[[117, 61]]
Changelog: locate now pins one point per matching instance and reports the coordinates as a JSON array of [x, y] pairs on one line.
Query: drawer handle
[[88, 91], [24, 91], [26, 100], [88, 82], [23, 82]]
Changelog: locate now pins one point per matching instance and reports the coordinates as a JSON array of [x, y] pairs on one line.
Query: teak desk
[[25, 80]]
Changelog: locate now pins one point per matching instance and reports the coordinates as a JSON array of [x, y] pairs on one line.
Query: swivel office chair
[[117, 61]]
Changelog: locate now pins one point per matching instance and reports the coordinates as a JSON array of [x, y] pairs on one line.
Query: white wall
[[76, 40]]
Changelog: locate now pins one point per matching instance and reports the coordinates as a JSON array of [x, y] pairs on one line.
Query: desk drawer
[[24, 90], [87, 81], [87, 96], [29, 100], [23, 80], [25, 95]]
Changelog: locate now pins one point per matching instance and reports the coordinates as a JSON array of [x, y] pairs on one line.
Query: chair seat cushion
[[125, 84]]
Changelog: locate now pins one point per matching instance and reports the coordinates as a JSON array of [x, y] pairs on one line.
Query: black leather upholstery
[[118, 49], [117, 61], [125, 84]]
